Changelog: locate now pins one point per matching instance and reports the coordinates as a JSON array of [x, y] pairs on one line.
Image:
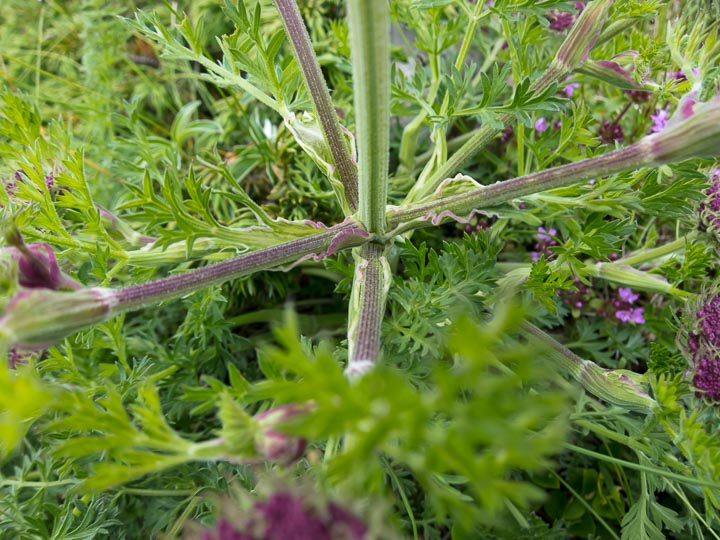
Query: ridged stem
[[320, 97], [614, 386], [369, 25], [367, 308], [625, 159], [317, 245]]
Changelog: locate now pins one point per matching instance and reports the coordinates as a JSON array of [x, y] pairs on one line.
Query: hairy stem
[[369, 23], [318, 245], [620, 160], [367, 307], [320, 97]]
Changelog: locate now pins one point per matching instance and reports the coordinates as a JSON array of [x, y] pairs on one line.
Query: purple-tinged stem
[[367, 308], [693, 132], [320, 97], [37, 318], [318, 245], [457, 205]]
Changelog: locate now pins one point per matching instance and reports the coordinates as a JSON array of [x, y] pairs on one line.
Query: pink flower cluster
[[286, 515], [621, 308]]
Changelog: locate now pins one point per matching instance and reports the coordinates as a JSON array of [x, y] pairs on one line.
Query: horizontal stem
[[319, 245], [434, 211]]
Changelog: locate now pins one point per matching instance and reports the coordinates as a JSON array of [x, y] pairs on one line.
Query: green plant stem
[[408, 142], [369, 25], [435, 211], [683, 479], [318, 245], [320, 97], [469, 34], [367, 307], [645, 255], [612, 386]]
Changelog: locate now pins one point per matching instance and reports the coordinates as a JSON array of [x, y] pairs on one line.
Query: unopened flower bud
[[611, 73], [274, 445], [37, 267], [616, 386], [37, 318], [631, 277]]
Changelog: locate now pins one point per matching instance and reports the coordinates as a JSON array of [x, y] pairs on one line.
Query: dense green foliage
[[145, 139]]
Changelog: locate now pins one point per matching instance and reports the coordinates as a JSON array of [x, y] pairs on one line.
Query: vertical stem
[[469, 34], [367, 308], [320, 97], [369, 23]]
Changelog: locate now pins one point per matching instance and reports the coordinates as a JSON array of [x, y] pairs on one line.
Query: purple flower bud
[[611, 132], [274, 445], [286, 515], [37, 318], [559, 20], [507, 134], [37, 266], [707, 377], [638, 96]]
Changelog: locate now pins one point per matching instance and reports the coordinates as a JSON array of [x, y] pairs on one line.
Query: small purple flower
[[707, 377], [660, 119], [570, 89], [577, 297], [634, 315], [626, 295], [544, 234], [544, 242], [541, 124]]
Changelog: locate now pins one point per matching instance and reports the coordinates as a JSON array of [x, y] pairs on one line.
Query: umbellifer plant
[[453, 430]]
